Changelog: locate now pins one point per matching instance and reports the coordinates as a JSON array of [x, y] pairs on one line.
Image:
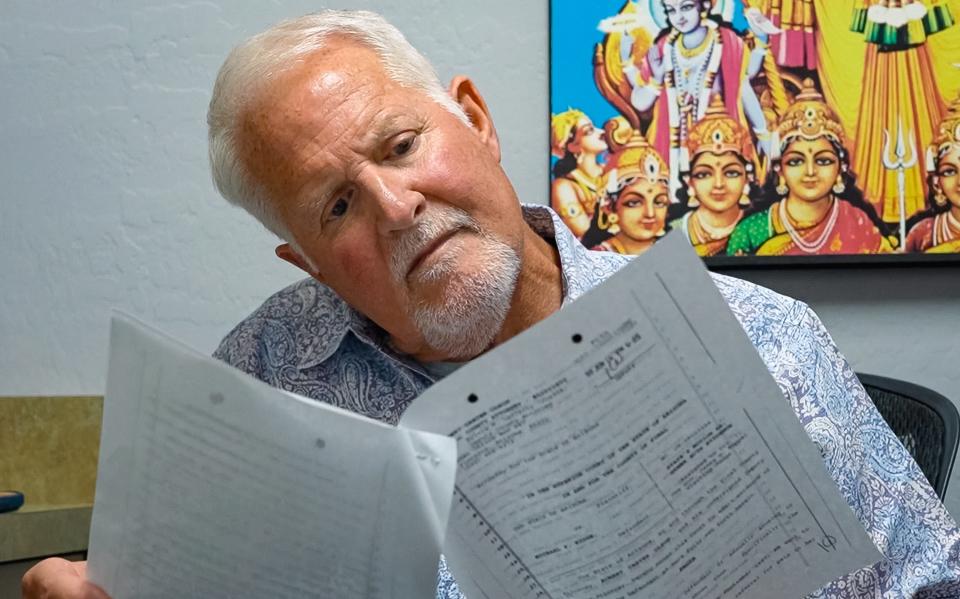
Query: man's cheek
[[357, 265]]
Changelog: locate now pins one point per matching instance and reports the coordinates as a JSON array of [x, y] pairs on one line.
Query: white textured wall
[[106, 200]]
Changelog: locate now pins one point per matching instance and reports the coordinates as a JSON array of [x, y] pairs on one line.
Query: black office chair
[[926, 422]]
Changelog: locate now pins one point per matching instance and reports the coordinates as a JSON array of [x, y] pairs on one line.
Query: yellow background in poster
[[843, 53]]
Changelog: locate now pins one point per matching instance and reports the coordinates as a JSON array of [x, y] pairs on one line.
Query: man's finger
[[57, 578]]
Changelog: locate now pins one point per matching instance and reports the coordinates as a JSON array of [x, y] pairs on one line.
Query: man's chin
[[461, 305], [462, 317], [450, 277], [443, 256], [444, 293]]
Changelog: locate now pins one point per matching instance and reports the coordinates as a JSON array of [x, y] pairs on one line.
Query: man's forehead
[[331, 72], [326, 82], [345, 80]]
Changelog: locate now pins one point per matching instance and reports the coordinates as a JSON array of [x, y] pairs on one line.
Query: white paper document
[[635, 445], [631, 445], [212, 484]]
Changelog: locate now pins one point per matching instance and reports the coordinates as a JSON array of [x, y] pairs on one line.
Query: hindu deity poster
[[758, 128]]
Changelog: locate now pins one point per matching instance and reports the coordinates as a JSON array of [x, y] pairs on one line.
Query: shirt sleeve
[[446, 586], [876, 475]]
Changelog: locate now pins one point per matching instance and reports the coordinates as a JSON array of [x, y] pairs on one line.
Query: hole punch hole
[[472, 398], [577, 338], [320, 443], [216, 398]]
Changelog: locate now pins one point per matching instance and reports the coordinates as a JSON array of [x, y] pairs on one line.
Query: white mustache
[[437, 221]]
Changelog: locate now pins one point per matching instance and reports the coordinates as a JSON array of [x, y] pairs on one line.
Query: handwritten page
[[213, 484], [634, 445]]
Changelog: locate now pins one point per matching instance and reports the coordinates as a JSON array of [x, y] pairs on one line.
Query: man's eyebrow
[[314, 194], [388, 125]]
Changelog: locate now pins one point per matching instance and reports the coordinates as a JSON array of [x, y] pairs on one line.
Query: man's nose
[[397, 206]]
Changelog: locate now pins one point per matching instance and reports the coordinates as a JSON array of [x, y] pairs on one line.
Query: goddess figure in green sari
[[818, 209]]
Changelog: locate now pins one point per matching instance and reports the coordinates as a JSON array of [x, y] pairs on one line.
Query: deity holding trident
[[899, 162], [900, 85]]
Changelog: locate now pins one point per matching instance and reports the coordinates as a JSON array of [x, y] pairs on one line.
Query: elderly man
[[387, 189]]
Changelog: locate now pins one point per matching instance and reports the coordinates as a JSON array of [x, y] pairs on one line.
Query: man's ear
[[288, 254], [465, 93]]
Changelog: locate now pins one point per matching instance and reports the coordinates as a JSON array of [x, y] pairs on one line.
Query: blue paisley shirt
[[305, 339]]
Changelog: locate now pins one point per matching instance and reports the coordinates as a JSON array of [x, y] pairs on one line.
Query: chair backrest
[[926, 422]]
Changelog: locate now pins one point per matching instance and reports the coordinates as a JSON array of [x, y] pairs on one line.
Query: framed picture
[[768, 132]]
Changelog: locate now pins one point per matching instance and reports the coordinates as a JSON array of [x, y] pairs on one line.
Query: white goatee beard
[[466, 319]]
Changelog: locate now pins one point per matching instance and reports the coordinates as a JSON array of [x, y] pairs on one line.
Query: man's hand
[[57, 578]]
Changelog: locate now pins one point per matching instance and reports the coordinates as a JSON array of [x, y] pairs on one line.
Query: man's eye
[[339, 207], [404, 146]]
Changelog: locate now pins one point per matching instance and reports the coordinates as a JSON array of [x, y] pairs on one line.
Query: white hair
[[255, 62]]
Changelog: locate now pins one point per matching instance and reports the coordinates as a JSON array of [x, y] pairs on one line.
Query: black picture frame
[[753, 262]]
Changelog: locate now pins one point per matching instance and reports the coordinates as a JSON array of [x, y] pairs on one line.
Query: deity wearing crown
[[718, 167], [818, 208], [635, 200]]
